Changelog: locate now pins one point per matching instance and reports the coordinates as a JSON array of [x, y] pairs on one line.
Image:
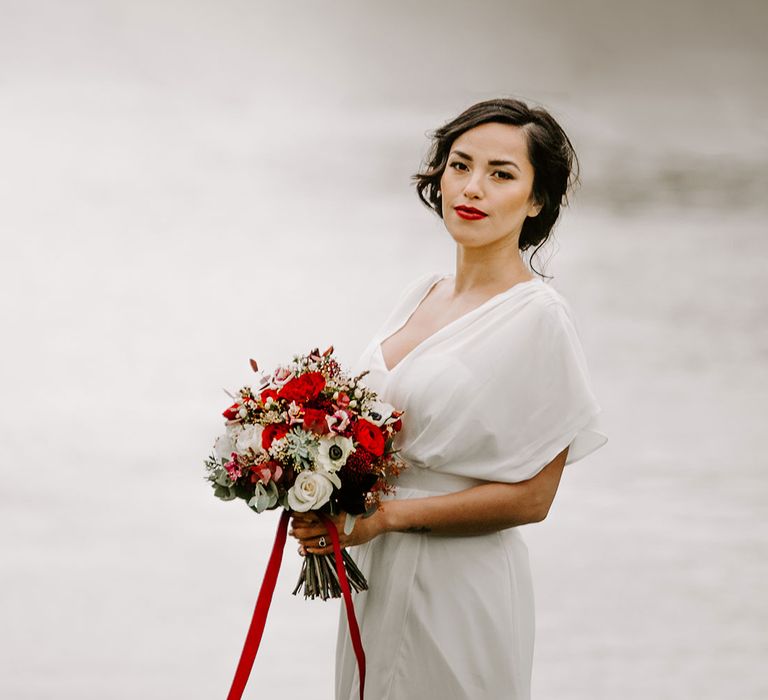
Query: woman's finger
[[313, 545], [305, 527], [322, 550], [306, 523], [303, 533], [313, 542], [316, 540], [308, 517]]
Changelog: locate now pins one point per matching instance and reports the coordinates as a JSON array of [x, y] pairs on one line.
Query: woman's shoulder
[[548, 296], [538, 297], [539, 309]]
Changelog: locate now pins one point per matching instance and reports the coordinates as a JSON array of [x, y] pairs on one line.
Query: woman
[[488, 367]]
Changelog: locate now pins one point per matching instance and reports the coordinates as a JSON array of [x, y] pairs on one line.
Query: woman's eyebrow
[[465, 156]]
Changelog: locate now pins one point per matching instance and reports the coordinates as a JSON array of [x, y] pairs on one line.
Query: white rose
[[224, 446], [311, 490], [331, 453], [249, 438], [378, 412]]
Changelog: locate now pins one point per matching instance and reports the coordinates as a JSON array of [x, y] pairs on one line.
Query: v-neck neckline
[[432, 284]]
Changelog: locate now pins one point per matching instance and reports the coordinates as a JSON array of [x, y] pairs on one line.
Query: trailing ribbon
[[253, 638], [259, 620], [354, 631]]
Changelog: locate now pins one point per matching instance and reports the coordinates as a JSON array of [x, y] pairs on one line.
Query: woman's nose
[[473, 189]]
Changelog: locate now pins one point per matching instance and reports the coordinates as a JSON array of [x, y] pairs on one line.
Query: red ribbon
[[354, 630], [255, 631], [259, 620]]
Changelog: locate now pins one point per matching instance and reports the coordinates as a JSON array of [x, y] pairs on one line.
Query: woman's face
[[488, 170]]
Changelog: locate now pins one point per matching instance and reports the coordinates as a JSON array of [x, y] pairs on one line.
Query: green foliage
[[301, 447], [264, 497], [225, 493]]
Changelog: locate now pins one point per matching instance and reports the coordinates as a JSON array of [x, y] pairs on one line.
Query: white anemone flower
[[378, 412], [332, 452]]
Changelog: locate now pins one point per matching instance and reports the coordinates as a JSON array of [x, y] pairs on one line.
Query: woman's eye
[[457, 165], [504, 175]]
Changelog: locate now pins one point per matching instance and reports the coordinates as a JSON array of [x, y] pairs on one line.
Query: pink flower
[[233, 469], [339, 421], [282, 375]]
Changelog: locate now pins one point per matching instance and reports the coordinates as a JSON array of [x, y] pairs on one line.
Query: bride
[[487, 364]]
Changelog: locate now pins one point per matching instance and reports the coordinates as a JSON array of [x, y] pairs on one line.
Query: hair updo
[[549, 150]]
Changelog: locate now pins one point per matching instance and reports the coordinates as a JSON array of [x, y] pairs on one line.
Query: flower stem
[[318, 576]]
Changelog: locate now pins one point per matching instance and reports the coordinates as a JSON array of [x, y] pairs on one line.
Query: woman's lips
[[470, 213]]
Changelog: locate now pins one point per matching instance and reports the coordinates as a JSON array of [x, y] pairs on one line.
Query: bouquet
[[309, 437]]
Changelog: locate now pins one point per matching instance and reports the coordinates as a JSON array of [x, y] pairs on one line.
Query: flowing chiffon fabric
[[493, 396]]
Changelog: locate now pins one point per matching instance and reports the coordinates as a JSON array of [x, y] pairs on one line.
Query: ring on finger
[[321, 542]]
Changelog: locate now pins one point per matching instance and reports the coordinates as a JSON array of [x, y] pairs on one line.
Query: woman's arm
[[473, 511]]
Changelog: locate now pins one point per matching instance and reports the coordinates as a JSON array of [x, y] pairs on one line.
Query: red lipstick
[[470, 213]]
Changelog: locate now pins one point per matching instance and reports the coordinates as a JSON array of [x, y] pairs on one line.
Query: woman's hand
[[307, 528]]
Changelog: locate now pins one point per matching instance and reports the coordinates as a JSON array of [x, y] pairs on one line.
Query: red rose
[[369, 436], [314, 420], [232, 412], [273, 431], [303, 388], [267, 394], [397, 425]]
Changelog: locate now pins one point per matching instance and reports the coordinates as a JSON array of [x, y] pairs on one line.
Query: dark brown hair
[[554, 161]]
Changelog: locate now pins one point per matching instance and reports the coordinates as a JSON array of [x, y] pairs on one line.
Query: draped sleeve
[[536, 398], [494, 395]]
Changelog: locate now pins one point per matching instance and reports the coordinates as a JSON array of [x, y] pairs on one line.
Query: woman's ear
[[535, 210]]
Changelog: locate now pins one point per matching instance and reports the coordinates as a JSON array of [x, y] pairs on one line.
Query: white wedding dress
[[493, 396]]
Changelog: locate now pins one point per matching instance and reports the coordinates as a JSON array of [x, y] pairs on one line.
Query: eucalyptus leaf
[[225, 493], [261, 499], [222, 479]]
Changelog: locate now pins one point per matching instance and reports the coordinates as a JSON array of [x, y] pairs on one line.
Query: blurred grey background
[[185, 185]]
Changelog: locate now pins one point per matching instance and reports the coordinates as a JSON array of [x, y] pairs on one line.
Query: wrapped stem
[[318, 576]]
